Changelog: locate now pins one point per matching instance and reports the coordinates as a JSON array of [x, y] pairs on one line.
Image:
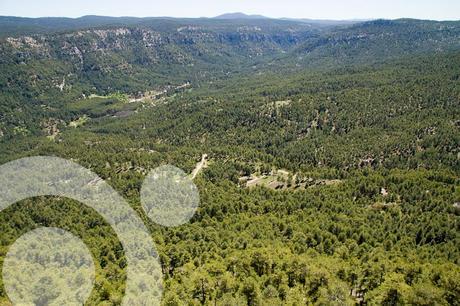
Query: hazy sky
[[317, 9]]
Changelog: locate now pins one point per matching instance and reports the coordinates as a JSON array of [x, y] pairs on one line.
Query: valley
[[326, 156]]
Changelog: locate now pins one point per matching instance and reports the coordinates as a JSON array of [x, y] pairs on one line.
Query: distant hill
[[17, 26], [240, 15], [13, 26], [326, 22]]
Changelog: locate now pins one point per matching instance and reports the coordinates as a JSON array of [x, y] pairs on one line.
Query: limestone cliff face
[[149, 45]]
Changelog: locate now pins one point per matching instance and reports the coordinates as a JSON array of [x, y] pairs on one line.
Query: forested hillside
[[330, 155]]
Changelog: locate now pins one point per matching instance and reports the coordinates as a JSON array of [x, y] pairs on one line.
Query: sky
[[314, 9]]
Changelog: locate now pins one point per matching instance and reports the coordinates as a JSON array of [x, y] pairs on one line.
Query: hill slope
[[331, 159]]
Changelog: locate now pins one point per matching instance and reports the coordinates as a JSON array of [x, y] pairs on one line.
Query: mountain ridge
[[240, 15]]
